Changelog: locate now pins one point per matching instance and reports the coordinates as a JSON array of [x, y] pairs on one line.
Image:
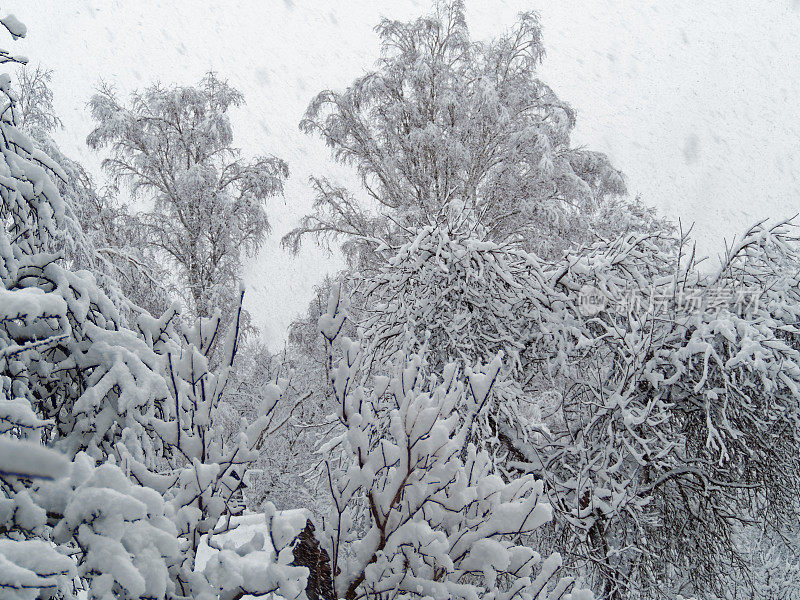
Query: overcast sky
[[697, 102]]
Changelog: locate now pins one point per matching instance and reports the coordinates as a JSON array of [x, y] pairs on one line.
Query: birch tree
[[99, 233], [174, 147], [446, 124]]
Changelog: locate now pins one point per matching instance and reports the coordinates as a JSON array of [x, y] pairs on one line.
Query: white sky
[[697, 102]]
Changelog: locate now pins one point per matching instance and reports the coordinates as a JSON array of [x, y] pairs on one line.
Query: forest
[[525, 384]]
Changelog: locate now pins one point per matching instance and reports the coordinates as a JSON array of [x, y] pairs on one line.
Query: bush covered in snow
[[417, 509]]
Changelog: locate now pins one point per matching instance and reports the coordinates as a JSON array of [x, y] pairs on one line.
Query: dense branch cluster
[[417, 510], [656, 401], [141, 473]]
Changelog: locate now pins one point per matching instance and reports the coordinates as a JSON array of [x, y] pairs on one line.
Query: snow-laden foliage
[[80, 530], [657, 402], [464, 299], [65, 363], [462, 294], [205, 475], [671, 410], [417, 509], [97, 234], [202, 472], [173, 145], [773, 565], [286, 454], [65, 360], [447, 124], [28, 564], [124, 532], [145, 473], [67, 527]]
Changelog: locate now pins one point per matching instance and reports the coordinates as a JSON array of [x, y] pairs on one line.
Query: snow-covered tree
[[80, 530], [671, 410], [446, 124], [279, 474], [464, 299], [417, 510], [174, 147], [34, 106], [69, 377], [653, 416], [98, 233], [66, 362], [201, 472], [467, 166], [144, 474]]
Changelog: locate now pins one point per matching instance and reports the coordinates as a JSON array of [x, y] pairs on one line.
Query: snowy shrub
[[202, 471], [65, 360], [29, 565], [68, 529], [417, 509]]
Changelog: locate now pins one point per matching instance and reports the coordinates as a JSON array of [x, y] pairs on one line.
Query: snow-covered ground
[[245, 529], [696, 102]]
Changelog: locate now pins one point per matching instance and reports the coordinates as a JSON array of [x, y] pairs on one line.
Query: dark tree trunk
[[309, 554]]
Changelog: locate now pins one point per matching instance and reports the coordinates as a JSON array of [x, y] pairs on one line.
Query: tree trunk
[[309, 554]]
